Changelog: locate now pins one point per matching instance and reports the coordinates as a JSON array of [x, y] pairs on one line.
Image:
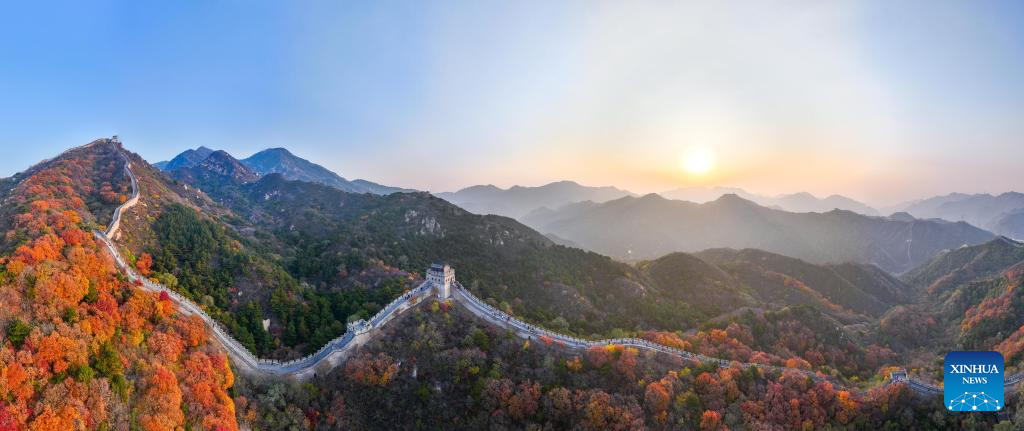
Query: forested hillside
[[82, 348], [439, 368], [966, 299]]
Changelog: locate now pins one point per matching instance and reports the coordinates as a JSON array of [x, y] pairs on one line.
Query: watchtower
[[441, 276], [114, 140]]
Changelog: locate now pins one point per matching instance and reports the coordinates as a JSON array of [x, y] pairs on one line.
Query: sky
[[880, 101]]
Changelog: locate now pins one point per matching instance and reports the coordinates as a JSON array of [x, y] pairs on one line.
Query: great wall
[[443, 287]]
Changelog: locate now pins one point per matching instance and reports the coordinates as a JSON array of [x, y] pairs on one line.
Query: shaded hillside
[[836, 289], [954, 267], [999, 313], [217, 165], [687, 278], [82, 348], [218, 170], [199, 247], [973, 297], [324, 235], [518, 201], [650, 226]]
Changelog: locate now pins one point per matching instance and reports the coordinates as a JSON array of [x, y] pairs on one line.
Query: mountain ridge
[[281, 160], [1002, 214], [633, 228], [517, 201], [792, 202]]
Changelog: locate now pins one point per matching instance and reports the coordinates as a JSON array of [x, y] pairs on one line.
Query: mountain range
[[801, 202], [517, 201], [1002, 214], [284, 265], [635, 228], [320, 228], [282, 161]]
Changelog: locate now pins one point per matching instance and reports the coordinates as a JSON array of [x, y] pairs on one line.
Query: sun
[[698, 161]]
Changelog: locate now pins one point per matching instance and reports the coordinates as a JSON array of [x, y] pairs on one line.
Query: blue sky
[[843, 97]]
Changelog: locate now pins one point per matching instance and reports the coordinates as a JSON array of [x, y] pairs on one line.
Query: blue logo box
[[973, 381]]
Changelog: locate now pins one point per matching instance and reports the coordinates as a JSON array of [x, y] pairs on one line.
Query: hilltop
[[84, 349]]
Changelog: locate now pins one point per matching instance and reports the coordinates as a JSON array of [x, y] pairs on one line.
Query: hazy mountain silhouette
[[518, 201], [1002, 214], [1010, 224], [650, 226], [795, 202]]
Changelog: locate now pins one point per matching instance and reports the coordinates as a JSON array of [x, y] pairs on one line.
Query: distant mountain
[[836, 289], [518, 201], [222, 163], [292, 167], [186, 159], [927, 207], [806, 202], [281, 161], [1010, 224], [1000, 214], [706, 194], [220, 170], [646, 227], [796, 202]]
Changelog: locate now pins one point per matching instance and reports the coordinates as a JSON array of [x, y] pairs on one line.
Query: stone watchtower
[[441, 276]]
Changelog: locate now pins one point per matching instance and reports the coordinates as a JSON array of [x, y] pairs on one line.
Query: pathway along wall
[[336, 351]]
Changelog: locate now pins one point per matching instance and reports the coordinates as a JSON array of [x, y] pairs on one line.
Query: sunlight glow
[[698, 161]]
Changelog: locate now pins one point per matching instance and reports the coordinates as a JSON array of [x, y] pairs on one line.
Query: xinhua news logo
[[973, 381]]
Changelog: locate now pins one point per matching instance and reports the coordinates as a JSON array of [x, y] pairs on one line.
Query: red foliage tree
[[711, 420], [144, 264]]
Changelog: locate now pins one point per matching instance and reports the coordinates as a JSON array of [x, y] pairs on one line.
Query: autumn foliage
[[371, 370], [88, 350], [144, 263]]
